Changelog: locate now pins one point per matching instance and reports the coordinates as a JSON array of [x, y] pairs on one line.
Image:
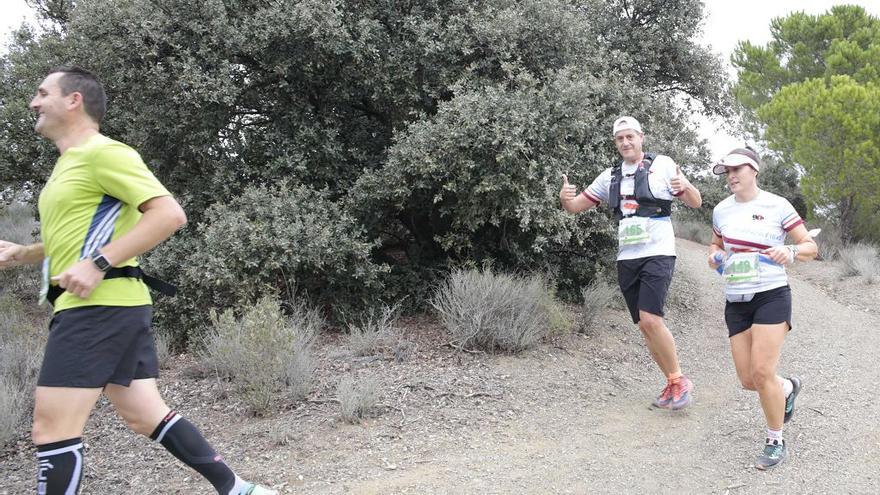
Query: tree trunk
[[847, 216]]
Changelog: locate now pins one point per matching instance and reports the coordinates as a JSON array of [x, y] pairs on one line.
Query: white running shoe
[[259, 490]]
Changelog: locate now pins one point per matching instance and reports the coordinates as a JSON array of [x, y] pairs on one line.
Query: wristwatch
[[100, 261], [794, 252]]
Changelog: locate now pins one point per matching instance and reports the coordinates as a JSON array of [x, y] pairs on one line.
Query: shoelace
[[679, 388], [772, 451], [667, 392]]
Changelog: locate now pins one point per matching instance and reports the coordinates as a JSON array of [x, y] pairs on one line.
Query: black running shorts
[[92, 346], [644, 283], [766, 308]]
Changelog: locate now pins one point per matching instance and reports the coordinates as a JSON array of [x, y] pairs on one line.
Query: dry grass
[[374, 333], [597, 296], [357, 398], [692, 230], [22, 338], [859, 260], [495, 311], [17, 225]]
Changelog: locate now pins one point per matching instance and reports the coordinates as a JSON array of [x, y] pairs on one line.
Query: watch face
[[101, 262]]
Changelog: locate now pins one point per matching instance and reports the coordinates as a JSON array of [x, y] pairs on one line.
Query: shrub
[[17, 225], [22, 337], [163, 347], [830, 241], [267, 241], [490, 311], [357, 398], [597, 296], [374, 333], [859, 260], [692, 230], [264, 352], [559, 320]]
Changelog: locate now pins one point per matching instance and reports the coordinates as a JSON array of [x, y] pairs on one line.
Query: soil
[[571, 416]]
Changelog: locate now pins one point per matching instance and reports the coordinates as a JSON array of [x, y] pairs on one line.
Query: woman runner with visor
[[748, 243]]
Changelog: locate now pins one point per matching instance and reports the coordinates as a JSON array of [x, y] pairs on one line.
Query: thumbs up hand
[[679, 183], [568, 191]]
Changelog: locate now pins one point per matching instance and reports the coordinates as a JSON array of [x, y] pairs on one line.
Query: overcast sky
[[728, 22]]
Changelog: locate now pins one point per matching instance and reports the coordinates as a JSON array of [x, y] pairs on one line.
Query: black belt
[[154, 283]]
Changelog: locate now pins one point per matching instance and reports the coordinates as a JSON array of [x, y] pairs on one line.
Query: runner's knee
[[46, 429], [747, 383], [139, 421], [763, 375], [650, 323]]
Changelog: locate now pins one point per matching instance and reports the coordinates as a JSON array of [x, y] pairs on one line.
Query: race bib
[[741, 268], [633, 230], [44, 284]]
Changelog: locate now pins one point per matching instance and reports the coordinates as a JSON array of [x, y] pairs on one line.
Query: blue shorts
[[92, 346]]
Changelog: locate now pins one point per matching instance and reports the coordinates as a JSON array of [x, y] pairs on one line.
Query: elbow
[[178, 218]]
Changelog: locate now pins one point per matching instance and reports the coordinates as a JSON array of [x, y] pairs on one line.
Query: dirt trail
[[592, 432], [569, 417]]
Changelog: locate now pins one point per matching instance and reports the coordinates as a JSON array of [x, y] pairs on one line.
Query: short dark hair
[[77, 79]]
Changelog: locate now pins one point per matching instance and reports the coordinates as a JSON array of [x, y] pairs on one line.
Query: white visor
[[734, 160]]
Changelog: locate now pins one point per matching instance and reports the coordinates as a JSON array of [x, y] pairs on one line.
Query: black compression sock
[[60, 467], [184, 441]]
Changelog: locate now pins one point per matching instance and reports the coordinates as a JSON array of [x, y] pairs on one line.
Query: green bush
[[266, 354], [282, 241], [713, 190], [494, 311]]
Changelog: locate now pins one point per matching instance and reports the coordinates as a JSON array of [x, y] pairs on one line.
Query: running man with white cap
[[749, 230], [640, 191]]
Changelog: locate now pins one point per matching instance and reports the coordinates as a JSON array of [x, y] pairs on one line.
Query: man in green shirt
[[99, 210]]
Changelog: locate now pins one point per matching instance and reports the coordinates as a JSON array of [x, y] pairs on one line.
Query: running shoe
[[665, 398], [774, 453], [789, 401], [259, 490], [681, 393]]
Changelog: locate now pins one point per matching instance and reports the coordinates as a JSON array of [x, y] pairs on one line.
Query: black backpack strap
[[614, 187], [154, 283]]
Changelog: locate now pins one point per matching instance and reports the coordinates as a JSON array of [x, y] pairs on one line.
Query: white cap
[[735, 158], [626, 123]]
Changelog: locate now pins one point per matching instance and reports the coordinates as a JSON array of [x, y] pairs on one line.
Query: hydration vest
[[649, 206]]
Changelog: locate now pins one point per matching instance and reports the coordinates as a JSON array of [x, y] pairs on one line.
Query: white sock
[[787, 386], [241, 486], [774, 436]]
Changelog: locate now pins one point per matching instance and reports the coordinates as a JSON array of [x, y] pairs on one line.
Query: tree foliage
[[844, 41], [813, 91], [440, 127], [833, 130]]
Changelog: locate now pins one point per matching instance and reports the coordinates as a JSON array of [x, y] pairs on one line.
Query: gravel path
[[569, 417]]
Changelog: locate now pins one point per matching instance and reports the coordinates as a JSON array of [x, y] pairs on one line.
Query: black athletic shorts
[[92, 346], [766, 308], [644, 283]]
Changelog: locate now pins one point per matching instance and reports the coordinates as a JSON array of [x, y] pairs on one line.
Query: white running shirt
[[751, 227], [662, 238]]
